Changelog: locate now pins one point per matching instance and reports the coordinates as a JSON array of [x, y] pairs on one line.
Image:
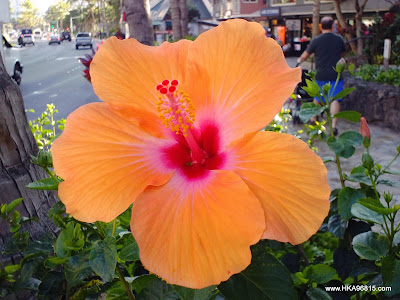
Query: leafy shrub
[[377, 74]]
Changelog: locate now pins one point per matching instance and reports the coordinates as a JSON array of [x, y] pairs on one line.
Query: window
[[279, 2], [250, 1]]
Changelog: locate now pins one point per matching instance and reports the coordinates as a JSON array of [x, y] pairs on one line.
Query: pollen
[[175, 108]]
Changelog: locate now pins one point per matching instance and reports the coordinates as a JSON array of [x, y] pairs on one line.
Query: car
[[83, 39], [54, 38], [12, 61], [28, 38], [65, 36]]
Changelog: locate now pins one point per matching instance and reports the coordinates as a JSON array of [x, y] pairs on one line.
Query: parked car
[[28, 38], [83, 39], [65, 36], [12, 61], [54, 38]]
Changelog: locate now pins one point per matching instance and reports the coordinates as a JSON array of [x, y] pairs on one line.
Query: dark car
[[66, 36]]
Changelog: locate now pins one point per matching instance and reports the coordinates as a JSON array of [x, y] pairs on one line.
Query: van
[[12, 61], [37, 33]]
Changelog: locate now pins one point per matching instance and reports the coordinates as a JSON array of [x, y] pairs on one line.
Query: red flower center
[[197, 150]]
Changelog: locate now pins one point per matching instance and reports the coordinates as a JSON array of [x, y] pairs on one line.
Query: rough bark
[[184, 17], [176, 20], [16, 171], [344, 25], [359, 14], [315, 18], [139, 21]]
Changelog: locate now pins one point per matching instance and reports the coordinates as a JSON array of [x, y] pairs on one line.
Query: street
[[52, 74]]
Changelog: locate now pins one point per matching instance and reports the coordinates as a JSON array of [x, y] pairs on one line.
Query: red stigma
[[172, 89], [158, 87], [174, 82], [163, 90], [165, 82]]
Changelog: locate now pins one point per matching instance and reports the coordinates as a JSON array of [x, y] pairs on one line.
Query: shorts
[[339, 88]]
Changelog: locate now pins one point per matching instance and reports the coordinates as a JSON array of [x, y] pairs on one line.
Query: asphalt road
[[53, 74]]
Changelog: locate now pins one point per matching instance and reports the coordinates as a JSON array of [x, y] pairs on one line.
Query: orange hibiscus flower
[[178, 136]]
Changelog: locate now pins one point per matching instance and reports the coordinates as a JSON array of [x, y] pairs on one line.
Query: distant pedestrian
[[328, 49]]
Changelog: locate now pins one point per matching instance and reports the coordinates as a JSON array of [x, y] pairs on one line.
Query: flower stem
[[114, 227], [384, 169], [337, 156], [124, 283]]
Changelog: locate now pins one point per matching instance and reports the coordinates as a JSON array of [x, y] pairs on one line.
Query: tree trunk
[[176, 19], [184, 17], [359, 14], [343, 24], [139, 22], [315, 18], [17, 144]]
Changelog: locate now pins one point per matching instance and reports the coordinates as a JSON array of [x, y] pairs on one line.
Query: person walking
[[328, 48]]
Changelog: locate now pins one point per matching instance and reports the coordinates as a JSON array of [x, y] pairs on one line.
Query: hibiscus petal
[[126, 71], [198, 233], [289, 179], [239, 76], [105, 161]]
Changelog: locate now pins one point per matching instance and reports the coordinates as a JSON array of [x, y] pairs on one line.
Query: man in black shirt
[[328, 49]]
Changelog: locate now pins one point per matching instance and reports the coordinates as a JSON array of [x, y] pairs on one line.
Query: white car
[[12, 61], [28, 38]]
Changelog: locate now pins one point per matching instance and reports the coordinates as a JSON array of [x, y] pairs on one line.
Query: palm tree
[[139, 22], [315, 18]]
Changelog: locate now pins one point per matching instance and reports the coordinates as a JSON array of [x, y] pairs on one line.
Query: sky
[[42, 5]]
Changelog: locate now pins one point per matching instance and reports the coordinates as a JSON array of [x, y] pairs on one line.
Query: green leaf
[[75, 245], [391, 274], [340, 147], [103, 258], [352, 138], [393, 172], [65, 235], [364, 267], [76, 269], [352, 116], [309, 110], [376, 205], [50, 184], [343, 93], [327, 159], [264, 278], [13, 205], [312, 88], [318, 294], [51, 286], [117, 292], [347, 197], [370, 245], [363, 213], [191, 294], [54, 261], [157, 290], [319, 273], [12, 268], [358, 175], [388, 182], [141, 282], [337, 226], [130, 252]]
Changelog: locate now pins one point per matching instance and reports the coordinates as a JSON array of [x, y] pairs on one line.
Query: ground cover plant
[[376, 73], [91, 260]]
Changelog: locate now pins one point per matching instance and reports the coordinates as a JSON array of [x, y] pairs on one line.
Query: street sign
[[293, 25], [4, 11], [270, 11]]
